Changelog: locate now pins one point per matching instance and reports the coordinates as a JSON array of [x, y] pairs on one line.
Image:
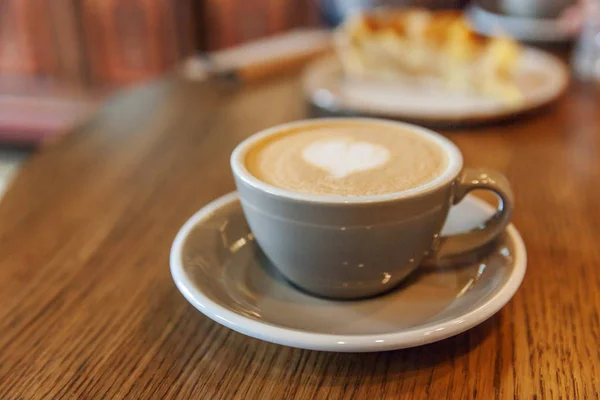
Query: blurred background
[[59, 59]]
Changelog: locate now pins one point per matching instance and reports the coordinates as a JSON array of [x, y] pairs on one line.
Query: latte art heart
[[342, 157]]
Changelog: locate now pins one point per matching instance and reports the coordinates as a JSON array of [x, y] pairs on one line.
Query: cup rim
[[455, 162]]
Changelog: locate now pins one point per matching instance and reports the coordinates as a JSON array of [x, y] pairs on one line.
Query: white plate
[[219, 269], [541, 77]]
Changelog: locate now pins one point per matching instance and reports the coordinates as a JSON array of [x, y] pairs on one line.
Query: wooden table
[[88, 308]]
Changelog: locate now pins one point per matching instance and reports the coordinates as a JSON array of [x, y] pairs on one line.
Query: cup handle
[[471, 179]]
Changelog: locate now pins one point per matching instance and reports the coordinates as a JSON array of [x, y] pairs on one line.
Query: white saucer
[[219, 269], [540, 76]]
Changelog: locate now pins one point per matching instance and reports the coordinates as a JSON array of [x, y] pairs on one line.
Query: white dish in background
[[541, 77], [488, 21], [219, 269], [10, 161]]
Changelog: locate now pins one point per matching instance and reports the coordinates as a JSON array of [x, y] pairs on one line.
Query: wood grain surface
[[88, 309]]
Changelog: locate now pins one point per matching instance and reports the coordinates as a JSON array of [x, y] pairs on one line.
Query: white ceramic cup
[[535, 8]]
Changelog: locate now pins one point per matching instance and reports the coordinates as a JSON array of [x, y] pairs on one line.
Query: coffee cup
[[347, 208], [535, 8]]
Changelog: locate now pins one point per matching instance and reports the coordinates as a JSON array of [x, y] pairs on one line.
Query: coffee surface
[[346, 159]]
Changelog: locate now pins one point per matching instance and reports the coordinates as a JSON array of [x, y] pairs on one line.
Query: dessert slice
[[388, 44]]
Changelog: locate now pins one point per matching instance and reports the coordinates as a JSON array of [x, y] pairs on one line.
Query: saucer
[[540, 76], [219, 269]]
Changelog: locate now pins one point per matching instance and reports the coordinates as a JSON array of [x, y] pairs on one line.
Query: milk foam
[[346, 159], [344, 156]]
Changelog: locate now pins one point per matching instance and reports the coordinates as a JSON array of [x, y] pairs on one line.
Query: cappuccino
[[346, 159]]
